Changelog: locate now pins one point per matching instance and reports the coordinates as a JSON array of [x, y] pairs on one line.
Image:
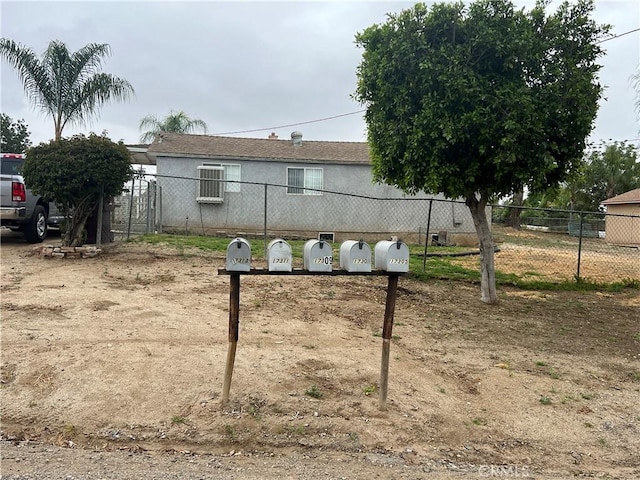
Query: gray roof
[[632, 196], [209, 146]]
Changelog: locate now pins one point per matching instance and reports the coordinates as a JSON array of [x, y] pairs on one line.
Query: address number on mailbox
[[323, 260], [359, 261], [280, 260]]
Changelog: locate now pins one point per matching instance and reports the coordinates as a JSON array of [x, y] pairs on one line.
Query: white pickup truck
[[20, 209]]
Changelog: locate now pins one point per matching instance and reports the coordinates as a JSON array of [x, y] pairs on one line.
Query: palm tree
[[176, 122], [68, 86]]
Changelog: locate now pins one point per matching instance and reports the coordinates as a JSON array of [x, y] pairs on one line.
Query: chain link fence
[[563, 244], [268, 210], [547, 245]]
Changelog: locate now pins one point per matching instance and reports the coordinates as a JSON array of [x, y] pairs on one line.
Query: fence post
[[154, 198], [580, 246], [426, 239], [148, 205], [201, 220], [265, 220], [159, 208], [99, 228], [133, 187]]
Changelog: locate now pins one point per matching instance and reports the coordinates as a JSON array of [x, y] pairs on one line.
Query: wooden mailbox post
[[234, 319]]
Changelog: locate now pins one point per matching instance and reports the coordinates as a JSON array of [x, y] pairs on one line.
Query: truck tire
[[36, 229]]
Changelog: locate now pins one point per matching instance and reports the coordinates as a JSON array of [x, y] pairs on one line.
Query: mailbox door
[[392, 256], [355, 256], [279, 256], [318, 256], [397, 258], [239, 255]]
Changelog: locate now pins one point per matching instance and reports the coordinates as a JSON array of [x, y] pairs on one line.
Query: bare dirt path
[[112, 367]]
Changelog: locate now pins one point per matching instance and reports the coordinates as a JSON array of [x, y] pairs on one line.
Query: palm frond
[[32, 73], [86, 98], [176, 122], [67, 86], [150, 121], [87, 61]]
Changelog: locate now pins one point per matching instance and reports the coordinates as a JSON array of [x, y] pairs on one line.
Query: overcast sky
[[254, 65]]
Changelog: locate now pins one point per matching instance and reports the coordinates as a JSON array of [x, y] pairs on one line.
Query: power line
[[361, 111], [602, 141], [291, 124], [618, 35]]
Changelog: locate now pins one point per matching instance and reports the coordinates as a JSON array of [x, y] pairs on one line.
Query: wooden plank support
[[300, 271], [234, 324], [234, 320], [392, 291]]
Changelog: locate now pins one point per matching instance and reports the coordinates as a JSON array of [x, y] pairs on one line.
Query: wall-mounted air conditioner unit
[[210, 184]]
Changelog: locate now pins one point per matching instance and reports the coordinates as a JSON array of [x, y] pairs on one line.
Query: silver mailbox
[[239, 255], [392, 256], [318, 256], [355, 256], [279, 258]]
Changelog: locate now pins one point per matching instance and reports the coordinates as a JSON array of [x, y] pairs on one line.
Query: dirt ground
[[554, 257], [118, 361]]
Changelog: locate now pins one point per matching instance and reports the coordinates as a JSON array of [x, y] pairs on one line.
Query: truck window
[[11, 167]]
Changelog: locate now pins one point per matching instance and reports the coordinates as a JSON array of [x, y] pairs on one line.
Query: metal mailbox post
[[234, 311]]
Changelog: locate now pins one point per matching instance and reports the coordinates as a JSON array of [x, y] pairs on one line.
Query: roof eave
[[208, 156]]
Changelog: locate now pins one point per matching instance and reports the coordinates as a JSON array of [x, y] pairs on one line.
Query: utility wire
[[612, 37], [601, 142], [618, 35], [290, 125]]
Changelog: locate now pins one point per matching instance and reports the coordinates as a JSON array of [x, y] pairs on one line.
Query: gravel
[[35, 461]]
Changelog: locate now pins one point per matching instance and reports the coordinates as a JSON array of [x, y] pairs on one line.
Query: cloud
[[248, 65]]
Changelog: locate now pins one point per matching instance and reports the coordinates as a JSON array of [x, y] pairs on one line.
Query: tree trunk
[[513, 219], [92, 224], [75, 235], [477, 207]]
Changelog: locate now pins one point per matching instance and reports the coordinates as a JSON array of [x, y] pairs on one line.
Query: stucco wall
[[244, 210], [623, 230]]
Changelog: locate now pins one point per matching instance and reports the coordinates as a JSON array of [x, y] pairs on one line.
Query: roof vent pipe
[[296, 137]]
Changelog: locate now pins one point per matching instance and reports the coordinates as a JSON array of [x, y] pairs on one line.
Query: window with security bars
[[210, 184], [304, 181]]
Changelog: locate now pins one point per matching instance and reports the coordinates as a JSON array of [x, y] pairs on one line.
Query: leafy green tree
[[14, 136], [176, 122], [478, 101], [567, 195], [67, 86], [75, 173], [608, 173]]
